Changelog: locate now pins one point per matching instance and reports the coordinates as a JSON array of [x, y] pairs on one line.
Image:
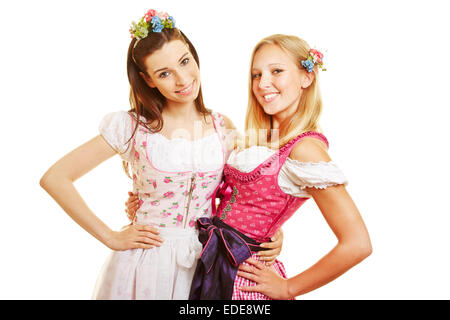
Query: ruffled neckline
[[256, 173]]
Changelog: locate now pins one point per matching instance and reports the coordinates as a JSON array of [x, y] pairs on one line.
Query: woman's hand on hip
[[274, 248], [134, 237]]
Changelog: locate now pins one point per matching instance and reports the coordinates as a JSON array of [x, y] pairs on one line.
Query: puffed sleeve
[[116, 128], [297, 176]]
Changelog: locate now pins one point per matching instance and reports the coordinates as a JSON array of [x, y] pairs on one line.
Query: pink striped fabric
[[239, 281]]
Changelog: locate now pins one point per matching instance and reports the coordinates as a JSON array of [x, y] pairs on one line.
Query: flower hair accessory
[[315, 57], [152, 21]]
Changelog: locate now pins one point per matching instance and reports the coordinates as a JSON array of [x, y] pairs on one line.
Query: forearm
[[340, 259], [63, 191]]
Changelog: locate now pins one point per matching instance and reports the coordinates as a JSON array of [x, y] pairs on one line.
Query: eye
[[256, 76], [277, 71], [184, 62], [164, 74]]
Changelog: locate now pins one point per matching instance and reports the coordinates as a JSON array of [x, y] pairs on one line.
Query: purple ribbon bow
[[223, 250]]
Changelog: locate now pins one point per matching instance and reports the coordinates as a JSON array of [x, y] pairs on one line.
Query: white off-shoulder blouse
[[178, 154], [294, 176]]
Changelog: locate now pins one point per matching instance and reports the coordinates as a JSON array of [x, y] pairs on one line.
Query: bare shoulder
[[310, 150]]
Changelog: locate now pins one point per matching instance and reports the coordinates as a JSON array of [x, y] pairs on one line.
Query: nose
[[181, 78], [264, 81]]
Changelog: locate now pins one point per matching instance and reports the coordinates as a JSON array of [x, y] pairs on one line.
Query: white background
[[62, 68]]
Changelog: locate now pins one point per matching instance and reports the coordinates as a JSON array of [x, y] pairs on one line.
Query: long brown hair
[[145, 101]]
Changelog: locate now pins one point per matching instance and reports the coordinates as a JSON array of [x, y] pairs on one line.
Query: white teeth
[[270, 96], [186, 90]]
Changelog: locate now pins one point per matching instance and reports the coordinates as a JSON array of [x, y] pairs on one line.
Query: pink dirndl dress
[[258, 206]]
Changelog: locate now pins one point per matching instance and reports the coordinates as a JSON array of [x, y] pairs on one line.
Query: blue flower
[[308, 65], [158, 27], [157, 24], [155, 20], [173, 21]]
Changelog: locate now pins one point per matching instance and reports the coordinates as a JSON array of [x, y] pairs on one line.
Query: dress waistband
[[177, 233]]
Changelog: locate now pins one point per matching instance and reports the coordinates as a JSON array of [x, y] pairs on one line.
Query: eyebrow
[[165, 68], [273, 64]]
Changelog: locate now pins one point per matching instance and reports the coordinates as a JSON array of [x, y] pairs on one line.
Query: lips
[[186, 90], [269, 97]]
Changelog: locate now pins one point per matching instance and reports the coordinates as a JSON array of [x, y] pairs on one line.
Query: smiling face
[[174, 72], [277, 81]]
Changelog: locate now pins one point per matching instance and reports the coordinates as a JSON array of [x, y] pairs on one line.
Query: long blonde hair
[[307, 115]]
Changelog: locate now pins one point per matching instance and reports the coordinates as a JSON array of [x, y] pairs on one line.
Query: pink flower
[[165, 214], [152, 182], [317, 55], [150, 13], [178, 219], [191, 223], [136, 155], [155, 203], [141, 202], [163, 15], [144, 144], [169, 194], [167, 180], [174, 205], [204, 184], [201, 174]]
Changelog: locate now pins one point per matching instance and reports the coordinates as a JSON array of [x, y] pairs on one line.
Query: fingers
[[277, 242], [132, 203], [140, 245], [250, 288], [269, 260], [279, 235], [143, 227], [154, 239], [149, 241], [246, 268], [271, 252], [269, 245], [150, 233], [254, 263], [247, 275]]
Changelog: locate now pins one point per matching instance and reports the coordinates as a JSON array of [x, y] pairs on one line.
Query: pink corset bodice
[[172, 199], [254, 203]]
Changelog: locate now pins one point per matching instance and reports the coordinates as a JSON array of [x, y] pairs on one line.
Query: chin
[[270, 110]]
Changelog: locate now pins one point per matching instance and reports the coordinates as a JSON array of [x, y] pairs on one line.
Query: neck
[[185, 111], [279, 118]]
